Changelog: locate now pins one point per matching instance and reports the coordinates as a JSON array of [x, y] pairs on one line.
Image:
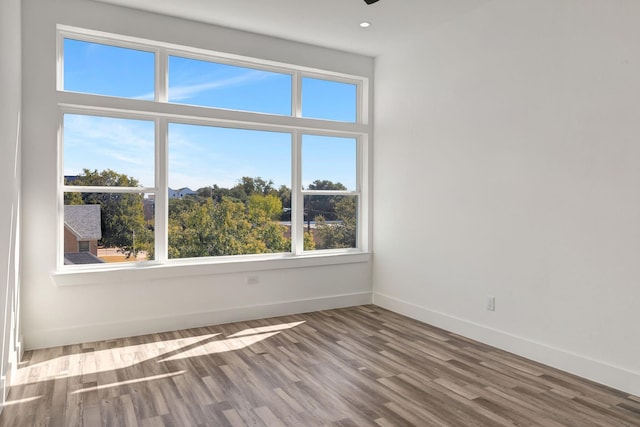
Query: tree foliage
[[323, 184], [342, 233], [243, 219], [324, 206], [205, 227]]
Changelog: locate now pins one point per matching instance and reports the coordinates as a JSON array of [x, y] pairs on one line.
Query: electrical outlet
[[253, 280], [491, 303]]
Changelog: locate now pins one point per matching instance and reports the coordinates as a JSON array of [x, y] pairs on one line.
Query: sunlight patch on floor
[[94, 362], [137, 380], [270, 328], [20, 401]]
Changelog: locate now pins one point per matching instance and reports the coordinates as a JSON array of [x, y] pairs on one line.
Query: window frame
[[161, 112]]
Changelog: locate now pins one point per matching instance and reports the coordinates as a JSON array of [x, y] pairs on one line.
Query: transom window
[[178, 153]]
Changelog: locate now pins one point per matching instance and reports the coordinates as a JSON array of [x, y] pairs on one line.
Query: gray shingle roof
[[81, 258], [83, 221]]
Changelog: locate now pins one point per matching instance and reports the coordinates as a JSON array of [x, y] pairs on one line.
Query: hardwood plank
[[358, 366]]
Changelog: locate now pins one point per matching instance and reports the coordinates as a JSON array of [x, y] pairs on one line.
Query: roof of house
[[81, 258], [83, 221]]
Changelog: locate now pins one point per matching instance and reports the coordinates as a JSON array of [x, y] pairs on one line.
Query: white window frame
[[163, 113]]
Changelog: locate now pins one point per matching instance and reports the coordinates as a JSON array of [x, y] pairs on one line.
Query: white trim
[[297, 208], [81, 103], [596, 370], [149, 45], [162, 76], [94, 189], [296, 94], [161, 211], [101, 331], [151, 270], [330, 192]]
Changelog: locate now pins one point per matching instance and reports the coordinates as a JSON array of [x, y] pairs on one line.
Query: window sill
[[197, 267]]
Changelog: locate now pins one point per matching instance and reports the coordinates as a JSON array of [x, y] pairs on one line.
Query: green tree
[[284, 193], [341, 234], [264, 211], [228, 227], [308, 243], [256, 186], [323, 184], [267, 207], [73, 199], [322, 205]]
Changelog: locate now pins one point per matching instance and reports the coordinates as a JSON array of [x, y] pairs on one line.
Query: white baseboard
[[580, 365], [101, 331]]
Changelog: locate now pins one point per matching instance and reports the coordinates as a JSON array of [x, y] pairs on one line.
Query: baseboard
[[101, 331], [580, 365]]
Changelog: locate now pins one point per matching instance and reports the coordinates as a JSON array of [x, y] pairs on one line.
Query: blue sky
[[201, 155]]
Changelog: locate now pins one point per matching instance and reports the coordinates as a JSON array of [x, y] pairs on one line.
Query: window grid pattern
[[162, 113]]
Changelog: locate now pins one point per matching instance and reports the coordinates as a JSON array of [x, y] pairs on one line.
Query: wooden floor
[[359, 366]]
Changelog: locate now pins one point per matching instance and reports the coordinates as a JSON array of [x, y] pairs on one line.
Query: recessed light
[[365, 24]]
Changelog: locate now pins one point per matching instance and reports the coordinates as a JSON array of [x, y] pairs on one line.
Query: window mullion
[[106, 189], [162, 195], [297, 212], [162, 75], [296, 94], [360, 242]]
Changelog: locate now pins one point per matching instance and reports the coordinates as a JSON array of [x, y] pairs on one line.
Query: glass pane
[[329, 100], [108, 70], [108, 227], [329, 163], [235, 184], [331, 222], [211, 84], [105, 151]]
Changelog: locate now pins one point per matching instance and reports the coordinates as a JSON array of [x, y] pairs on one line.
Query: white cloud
[[179, 93], [187, 91]]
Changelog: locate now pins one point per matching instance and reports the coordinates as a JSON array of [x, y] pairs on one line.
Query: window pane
[[330, 221], [329, 163], [108, 70], [329, 100], [211, 84], [105, 151], [234, 184], [108, 227]]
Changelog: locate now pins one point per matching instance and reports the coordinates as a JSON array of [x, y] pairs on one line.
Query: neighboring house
[[82, 231], [178, 194], [149, 208]]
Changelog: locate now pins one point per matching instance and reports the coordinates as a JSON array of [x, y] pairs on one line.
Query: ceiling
[[329, 23]]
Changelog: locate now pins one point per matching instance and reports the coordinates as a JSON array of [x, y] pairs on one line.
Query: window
[[330, 100], [101, 69], [169, 153], [214, 84]]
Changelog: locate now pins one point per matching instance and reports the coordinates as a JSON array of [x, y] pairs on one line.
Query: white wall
[[507, 163], [137, 303], [10, 110]]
